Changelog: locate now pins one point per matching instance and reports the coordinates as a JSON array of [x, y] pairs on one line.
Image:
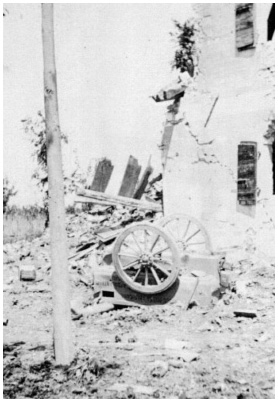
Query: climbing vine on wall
[[185, 56], [270, 133]]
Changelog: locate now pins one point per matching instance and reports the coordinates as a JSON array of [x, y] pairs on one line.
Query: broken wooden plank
[[102, 175], [130, 178], [105, 199], [143, 182], [169, 128]]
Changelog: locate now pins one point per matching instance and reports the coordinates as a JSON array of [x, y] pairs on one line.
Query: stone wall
[[202, 158]]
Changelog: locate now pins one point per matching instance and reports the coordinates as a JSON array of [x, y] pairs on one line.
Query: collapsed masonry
[[214, 143]]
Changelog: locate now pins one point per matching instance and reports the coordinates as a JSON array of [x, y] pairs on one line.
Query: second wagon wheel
[[189, 234], [146, 258]]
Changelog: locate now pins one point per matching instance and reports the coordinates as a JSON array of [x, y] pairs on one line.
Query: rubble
[[196, 337], [159, 368], [27, 273], [245, 313]]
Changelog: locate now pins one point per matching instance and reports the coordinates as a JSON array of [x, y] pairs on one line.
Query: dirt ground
[[139, 352]]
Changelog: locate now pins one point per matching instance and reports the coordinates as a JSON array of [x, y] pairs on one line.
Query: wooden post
[[102, 176], [63, 345], [130, 178], [143, 182]]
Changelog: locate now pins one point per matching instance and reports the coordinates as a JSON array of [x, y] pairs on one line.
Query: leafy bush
[[184, 59], [8, 192], [36, 130]]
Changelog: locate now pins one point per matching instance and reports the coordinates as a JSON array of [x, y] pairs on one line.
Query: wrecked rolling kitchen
[[139, 201]]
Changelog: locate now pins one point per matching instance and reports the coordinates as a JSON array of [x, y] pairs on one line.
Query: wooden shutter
[[247, 173], [244, 25]]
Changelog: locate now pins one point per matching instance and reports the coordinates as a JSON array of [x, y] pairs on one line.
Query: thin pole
[[62, 334]]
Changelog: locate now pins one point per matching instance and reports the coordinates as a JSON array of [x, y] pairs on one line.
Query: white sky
[[110, 58]]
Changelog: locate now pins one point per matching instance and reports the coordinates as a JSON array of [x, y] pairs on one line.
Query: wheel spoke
[[154, 243], [130, 264], [145, 240], [146, 276], [128, 255], [161, 269], [137, 244], [136, 276], [194, 234], [186, 231], [193, 244], [155, 276], [131, 248], [177, 226], [161, 250], [163, 260], [172, 234]]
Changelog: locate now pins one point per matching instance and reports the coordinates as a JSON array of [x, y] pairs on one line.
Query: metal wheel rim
[[187, 234], [151, 276]]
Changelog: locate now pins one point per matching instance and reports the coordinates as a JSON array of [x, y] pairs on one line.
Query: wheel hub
[[146, 258], [181, 245]]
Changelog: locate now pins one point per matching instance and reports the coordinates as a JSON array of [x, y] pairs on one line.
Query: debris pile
[[91, 231], [40, 378], [168, 351]]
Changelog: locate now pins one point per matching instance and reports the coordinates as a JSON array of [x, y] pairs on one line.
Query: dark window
[[244, 26], [271, 23], [247, 173]]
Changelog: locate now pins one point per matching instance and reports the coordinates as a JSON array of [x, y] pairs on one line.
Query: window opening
[[271, 23], [247, 173], [244, 26]]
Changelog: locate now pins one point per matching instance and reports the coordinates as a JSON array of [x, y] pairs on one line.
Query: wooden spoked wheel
[[189, 234], [146, 258]]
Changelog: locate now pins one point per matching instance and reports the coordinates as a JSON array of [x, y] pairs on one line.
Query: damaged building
[[219, 136]]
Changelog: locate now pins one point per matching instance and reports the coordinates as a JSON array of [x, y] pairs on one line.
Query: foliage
[[30, 211], [81, 177], [270, 133], [184, 59], [8, 192], [36, 130]]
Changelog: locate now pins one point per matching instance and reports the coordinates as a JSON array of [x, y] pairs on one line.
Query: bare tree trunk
[[63, 344]]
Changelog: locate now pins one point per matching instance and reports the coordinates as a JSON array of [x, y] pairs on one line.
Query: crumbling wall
[[231, 101]]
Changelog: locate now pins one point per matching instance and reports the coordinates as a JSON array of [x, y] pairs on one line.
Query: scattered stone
[[265, 337], [176, 363], [130, 393], [77, 391], [97, 308], [137, 389], [198, 273], [189, 356], [206, 327], [225, 279], [245, 313], [159, 368], [76, 306], [27, 273], [33, 358], [133, 339], [6, 288]]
